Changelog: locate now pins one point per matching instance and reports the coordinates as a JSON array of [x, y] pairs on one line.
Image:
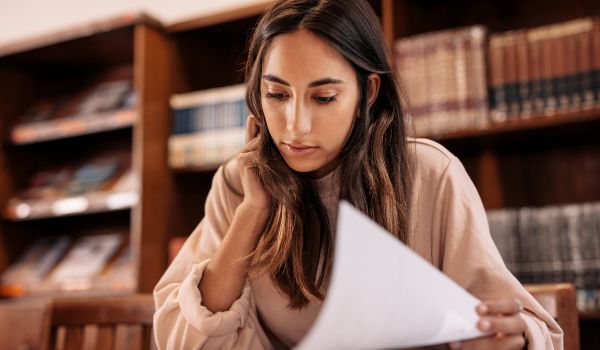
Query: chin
[[303, 166]]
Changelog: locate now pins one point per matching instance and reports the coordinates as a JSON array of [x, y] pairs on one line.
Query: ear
[[373, 82]]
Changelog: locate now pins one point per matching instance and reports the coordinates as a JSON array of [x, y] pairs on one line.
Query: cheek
[[337, 125], [274, 120]]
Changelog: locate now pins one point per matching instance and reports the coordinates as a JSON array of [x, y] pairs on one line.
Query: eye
[[324, 99], [275, 95]]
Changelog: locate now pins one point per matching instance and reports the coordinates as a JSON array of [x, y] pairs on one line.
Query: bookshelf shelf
[[196, 168], [71, 127], [17, 292], [590, 315], [533, 123], [89, 203]]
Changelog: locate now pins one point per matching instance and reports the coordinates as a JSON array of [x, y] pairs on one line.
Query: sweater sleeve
[[180, 320], [470, 257]]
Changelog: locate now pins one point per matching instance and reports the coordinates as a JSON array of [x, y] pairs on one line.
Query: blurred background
[[115, 115]]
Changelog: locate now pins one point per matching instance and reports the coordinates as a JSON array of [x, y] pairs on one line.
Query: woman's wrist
[[252, 215]]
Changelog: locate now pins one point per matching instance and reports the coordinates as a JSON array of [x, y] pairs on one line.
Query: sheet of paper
[[384, 295]]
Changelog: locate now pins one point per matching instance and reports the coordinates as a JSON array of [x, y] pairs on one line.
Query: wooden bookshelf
[[542, 160], [538, 161], [67, 63]]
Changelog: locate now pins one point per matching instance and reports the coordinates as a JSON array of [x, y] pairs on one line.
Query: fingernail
[[485, 325], [455, 345], [482, 308]]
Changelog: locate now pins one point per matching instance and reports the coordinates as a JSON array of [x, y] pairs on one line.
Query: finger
[[509, 343], [506, 306], [250, 146], [252, 127], [503, 324]]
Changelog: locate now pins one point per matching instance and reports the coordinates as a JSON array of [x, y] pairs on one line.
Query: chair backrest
[[560, 300], [22, 324], [123, 322]]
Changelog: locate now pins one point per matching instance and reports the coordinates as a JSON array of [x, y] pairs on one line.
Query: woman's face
[[309, 95]]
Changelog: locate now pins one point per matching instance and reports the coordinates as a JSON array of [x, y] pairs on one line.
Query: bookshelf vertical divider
[[152, 56]]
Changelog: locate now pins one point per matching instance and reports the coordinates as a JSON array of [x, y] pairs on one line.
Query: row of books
[[551, 244], [103, 106], [208, 126], [59, 263], [103, 182], [444, 77], [540, 71]]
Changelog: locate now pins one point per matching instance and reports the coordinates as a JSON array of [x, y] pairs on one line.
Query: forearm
[[224, 278]]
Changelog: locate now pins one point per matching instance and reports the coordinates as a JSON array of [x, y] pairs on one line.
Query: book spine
[[596, 60], [476, 78], [523, 74], [583, 41], [548, 87], [497, 92], [560, 70], [511, 84]]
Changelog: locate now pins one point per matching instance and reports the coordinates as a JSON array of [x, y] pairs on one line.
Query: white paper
[[384, 295]]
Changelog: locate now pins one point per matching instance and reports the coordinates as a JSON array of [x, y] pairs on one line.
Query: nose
[[299, 121]]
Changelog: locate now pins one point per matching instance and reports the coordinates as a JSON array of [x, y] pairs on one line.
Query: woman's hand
[[502, 318], [255, 196]]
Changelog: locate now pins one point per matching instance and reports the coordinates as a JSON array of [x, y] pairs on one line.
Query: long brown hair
[[298, 238]]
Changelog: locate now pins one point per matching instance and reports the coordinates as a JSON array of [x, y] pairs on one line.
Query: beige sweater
[[450, 230]]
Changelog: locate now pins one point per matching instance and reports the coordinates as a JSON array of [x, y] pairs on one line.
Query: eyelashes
[[280, 96]]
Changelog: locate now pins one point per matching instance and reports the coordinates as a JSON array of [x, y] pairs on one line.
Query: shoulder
[[429, 160]]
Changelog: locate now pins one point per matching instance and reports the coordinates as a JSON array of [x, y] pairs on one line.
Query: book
[[105, 97], [444, 76], [208, 126], [84, 261], [552, 244], [100, 107], [119, 275], [34, 264]]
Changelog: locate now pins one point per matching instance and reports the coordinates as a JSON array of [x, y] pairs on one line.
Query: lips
[[297, 148]]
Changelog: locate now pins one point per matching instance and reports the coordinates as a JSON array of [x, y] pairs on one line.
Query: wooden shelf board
[[85, 30], [532, 123], [197, 168], [89, 203], [589, 315], [71, 127], [220, 17], [57, 294]]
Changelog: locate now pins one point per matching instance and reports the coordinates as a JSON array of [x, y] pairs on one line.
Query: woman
[[326, 124]]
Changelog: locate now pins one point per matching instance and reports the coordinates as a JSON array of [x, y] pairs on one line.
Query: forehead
[[302, 56]]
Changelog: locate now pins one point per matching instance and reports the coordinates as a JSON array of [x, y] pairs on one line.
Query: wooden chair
[[22, 324], [123, 322], [560, 300]]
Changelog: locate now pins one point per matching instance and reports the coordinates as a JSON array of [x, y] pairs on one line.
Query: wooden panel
[[149, 220], [90, 337], [414, 17], [103, 310], [387, 21], [73, 338], [560, 301], [221, 17], [23, 324], [96, 33], [105, 338]]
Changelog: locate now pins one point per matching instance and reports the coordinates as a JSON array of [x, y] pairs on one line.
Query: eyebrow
[[319, 82]]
